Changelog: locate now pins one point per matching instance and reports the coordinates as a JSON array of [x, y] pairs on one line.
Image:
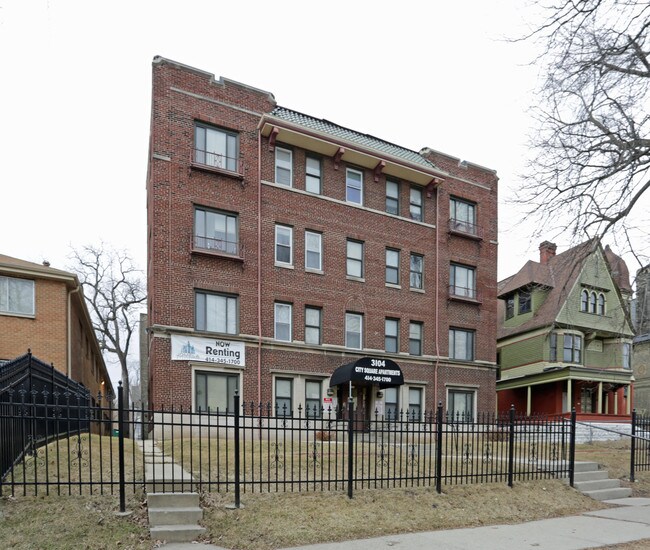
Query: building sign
[[209, 350], [369, 371]]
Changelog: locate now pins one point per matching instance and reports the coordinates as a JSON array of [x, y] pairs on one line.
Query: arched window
[[584, 301], [592, 303], [601, 304]]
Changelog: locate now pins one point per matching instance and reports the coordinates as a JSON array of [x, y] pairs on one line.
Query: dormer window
[[592, 302], [510, 307], [525, 301]]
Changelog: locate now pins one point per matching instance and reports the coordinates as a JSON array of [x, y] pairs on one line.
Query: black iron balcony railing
[[465, 227], [212, 159], [217, 246], [456, 291]]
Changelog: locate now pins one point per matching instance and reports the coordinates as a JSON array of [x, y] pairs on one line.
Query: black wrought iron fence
[[28, 386], [640, 444]]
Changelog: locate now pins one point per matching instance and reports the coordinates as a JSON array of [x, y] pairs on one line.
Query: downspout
[[259, 266], [435, 371], [69, 358]]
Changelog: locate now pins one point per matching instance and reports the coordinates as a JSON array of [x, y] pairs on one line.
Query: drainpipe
[[435, 371], [259, 266], [69, 358]]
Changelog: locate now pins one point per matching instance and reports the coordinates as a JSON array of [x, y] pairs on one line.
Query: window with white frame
[[283, 322], [460, 404], [392, 266], [391, 338], [353, 330], [283, 396], [572, 348], [462, 281], [391, 403], [415, 404], [415, 338], [627, 355], [17, 296], [415, 204], [461, 344], [215, 391], [552, 356], [416, 274], [215, 230], [313, 401], [313, 251], [463, 216], [392, 197], [313, 178], [216, 312], [354, 186], [283, 166], [216, 147], [313, 325], [354, 259], [283, 245]]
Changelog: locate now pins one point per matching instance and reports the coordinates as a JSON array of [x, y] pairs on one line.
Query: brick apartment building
[[43, 309], [282, 247]]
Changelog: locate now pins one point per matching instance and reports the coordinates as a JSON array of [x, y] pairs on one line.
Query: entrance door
[[362, 405]]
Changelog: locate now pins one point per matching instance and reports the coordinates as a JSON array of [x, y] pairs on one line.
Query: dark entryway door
[[363, 412]]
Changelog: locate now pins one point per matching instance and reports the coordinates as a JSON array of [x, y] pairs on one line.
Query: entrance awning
[[369, 371]]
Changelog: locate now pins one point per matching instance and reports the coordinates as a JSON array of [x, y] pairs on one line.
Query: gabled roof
[[558, 274], [8, 263], [340, 132]]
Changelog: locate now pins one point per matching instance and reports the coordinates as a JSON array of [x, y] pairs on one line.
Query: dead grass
[[275, 520], [288, 519], [86, 522]]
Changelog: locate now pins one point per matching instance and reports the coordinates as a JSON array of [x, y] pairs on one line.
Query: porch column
[[616, 402], [529, 391], [629, 399], [600, 398], [607, 403], [569, 398]]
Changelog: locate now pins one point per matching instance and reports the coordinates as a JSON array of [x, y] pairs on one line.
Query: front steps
[[174, 511], [590, 480], [174, 517]]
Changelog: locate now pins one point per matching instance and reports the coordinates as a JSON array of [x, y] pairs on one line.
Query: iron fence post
[[120, 428], [350, 445], [237, 474], [511, 447], [633, 446], [572, 447], [439, 448]]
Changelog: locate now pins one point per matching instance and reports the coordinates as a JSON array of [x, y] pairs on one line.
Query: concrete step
[[174, 516], [176, 533], [609, 494], [597, 484], [590, 476], [172, 500], [177, 486], [586, 466]]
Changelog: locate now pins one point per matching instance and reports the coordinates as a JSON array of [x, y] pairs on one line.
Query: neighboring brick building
[[281, 247], [565, 334], [43, 309], [641, 358]]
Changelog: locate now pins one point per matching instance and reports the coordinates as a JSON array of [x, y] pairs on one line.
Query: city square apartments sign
[[208, 350]]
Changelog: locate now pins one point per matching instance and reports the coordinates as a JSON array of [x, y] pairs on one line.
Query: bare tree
[[115, 292], [590, 171]]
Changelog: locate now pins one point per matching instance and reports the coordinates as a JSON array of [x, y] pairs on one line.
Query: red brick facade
[[183, 97], [57, 329]]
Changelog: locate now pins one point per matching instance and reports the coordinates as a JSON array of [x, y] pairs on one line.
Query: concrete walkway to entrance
[[628, 520]]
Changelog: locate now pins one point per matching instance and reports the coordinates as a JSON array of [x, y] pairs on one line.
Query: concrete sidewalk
[[628, 520]]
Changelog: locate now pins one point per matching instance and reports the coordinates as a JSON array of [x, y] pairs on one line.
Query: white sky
[[76, 86]]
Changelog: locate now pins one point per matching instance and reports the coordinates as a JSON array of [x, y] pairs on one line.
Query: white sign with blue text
[[209, 350]]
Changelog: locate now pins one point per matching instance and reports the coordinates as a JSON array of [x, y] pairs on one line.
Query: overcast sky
[[76, 89]]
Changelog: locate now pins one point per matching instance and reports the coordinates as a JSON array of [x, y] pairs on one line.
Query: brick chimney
[[546, 251]]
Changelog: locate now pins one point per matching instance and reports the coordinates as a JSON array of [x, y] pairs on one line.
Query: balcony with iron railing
[[212, 161], [217, 247], [464, 294], [465, 228]]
